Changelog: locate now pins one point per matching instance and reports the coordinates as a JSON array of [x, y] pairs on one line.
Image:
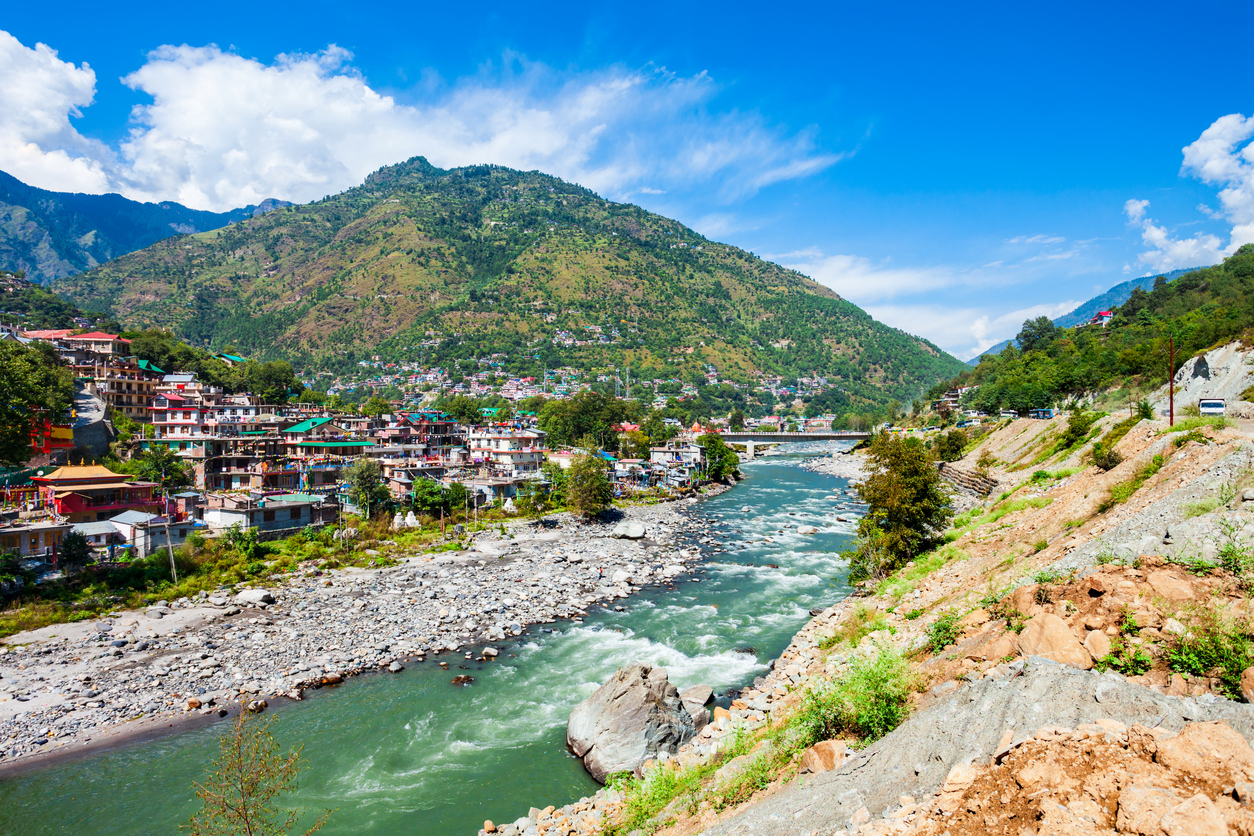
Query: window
[[267, 516], [295, 514]]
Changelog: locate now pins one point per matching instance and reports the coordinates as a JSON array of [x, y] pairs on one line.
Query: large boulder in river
[[629, 530], [630, 719], [255, 596]]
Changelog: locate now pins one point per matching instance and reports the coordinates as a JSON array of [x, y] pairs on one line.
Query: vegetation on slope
[[1200, 310], [431, 265]]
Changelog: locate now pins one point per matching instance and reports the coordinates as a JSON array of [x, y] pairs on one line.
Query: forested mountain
[[1112, 298], [1201, 309], [434, 265], [50, 235]]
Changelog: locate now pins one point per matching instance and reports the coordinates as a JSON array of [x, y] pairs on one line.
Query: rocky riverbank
[[843, 465], [64, 685]]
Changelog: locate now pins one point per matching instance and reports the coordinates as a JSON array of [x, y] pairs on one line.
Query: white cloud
[[1036, 239], [1222, 156], [224, 130], [1166, 253], [965, 332], [38, 94], [860, 280]]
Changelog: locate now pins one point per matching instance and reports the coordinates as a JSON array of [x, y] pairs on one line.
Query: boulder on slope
[[635, 715]]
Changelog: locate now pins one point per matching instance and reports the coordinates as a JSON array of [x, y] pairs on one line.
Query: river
[[409, 753]]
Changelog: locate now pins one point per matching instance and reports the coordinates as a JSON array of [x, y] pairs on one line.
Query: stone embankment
[[65, 684], [842, 465]]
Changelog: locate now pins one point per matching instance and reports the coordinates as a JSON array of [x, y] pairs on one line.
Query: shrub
[[1106, 458], [869, 700], [943, 632], [1123, 491], [1124, 659], [1214, 645]]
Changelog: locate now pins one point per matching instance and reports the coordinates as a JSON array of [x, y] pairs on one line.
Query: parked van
[[1212, 406]]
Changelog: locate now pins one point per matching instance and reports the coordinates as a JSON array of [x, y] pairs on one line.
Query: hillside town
[[275, 468]]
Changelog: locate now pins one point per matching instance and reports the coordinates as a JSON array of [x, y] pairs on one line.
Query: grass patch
[[1125, 659], [903, 580], [861, 623], [1121, 492], [1184, 425]]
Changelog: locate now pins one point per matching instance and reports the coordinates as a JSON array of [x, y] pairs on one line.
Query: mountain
[[50, 235], [33, 307], [1109, 300], [420, 263]]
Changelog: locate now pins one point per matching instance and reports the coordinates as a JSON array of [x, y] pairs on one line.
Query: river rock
[[255, 596], [807, 529], [635, 715], [628, 530]]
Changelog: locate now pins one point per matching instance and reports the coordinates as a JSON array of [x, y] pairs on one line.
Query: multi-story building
[[508, 452]]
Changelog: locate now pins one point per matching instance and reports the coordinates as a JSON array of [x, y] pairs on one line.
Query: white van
[[1211, 406]]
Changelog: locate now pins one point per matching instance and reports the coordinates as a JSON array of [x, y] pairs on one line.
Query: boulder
[[822, 757], [628, 530], [255, 596], [807, 529], [1170, 587], [1097, 644], [1247, 684], [698, 694], [1048, 636], [634, 716]]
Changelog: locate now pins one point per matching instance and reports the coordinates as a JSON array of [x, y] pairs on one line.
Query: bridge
[[750, 440]]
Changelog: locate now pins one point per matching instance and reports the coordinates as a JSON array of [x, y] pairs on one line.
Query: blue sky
[[953, 172]]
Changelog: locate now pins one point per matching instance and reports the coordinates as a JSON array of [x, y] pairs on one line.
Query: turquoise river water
[[408, 753]]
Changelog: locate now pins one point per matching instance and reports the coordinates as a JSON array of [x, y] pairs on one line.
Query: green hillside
[[1202, 309], [420, 263]]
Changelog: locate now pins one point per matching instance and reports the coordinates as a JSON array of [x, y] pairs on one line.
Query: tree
[[272, 382], [721, 460], [365, 486], [34, 387], [161, 465], [312, 396], [736, 421], [428, 496], [532, 501], [241, 791], [907, 508], [74, 551], [949, 446], [1037, 334], [376, 406], [588, 489]]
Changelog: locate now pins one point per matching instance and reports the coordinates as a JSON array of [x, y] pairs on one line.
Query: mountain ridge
[[421, 263], [1112, 298], [50, 235]]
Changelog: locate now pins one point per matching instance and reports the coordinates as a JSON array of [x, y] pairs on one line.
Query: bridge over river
[[751, 440]]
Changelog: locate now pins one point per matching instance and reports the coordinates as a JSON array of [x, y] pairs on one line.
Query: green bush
[[1214, 645], [871, 699], [1106, 458], [943, 632]]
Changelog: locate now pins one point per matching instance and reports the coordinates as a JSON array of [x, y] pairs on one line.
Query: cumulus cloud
[[1222, 156], [223, 130], [1167, 253], [860, 280], [39, 93]]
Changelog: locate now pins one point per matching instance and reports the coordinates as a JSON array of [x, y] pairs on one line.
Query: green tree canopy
[[907, 507], [721, 460], [34, 385], [588, 489], [365, 485]]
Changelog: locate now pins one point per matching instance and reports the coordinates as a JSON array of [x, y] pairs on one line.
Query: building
[[276, 516], [93, 493], [33, 539], [508, 452]]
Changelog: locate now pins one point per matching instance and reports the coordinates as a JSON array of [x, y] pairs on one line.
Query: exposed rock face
[[1049, 636], [631, 718]]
